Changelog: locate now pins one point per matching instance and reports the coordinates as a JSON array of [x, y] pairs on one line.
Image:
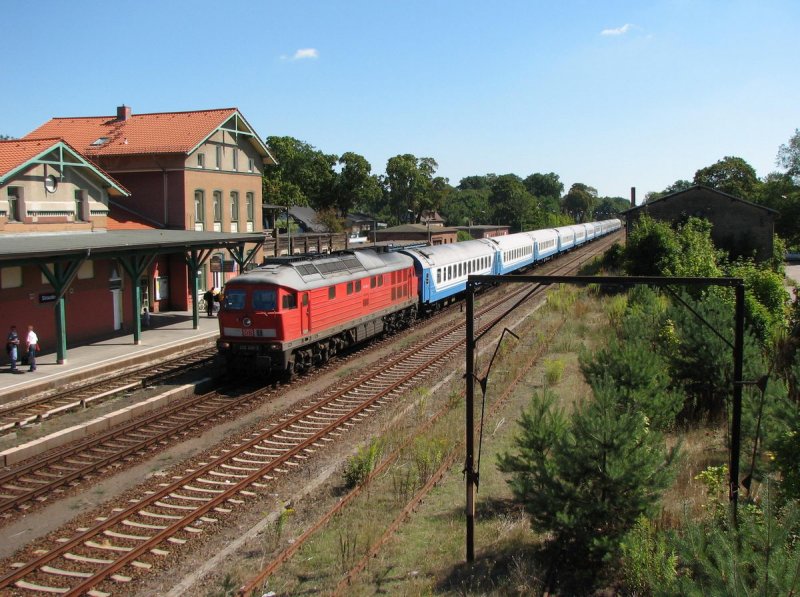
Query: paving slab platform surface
[[168, 334]]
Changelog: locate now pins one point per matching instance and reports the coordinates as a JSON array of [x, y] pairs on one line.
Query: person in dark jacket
[[12, 348]]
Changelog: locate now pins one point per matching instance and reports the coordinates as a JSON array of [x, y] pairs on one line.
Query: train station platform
[[169, 334]]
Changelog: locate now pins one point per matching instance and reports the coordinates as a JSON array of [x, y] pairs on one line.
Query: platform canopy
[[60, 256], [24, 249]]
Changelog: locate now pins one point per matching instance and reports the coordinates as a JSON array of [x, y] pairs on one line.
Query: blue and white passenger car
[[443, 269], [545, 243], [515, 251]]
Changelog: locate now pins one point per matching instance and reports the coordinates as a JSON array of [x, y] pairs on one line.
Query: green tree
[[510, 203], [303, 175], [466, 207], [780, 192], [579, 202], [609, 207], [730, 175], [409, 181], [759, 556], [477, 183], [789, 156], [544, 185], [355, 185], [675, 187], [651, 247], [641, 377], [585, 478]]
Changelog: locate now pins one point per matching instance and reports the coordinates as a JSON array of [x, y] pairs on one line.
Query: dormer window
[[99, 142]]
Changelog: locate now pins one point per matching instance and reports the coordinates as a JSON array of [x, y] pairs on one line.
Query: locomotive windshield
[[265, 300], [234, 300]]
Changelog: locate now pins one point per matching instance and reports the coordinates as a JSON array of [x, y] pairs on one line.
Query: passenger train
[[295, 312]]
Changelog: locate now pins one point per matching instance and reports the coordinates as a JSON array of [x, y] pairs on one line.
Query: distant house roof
[[359, 217], [16, 155], [130, 134], [694, 189], [423, 228], [431, 216], [307, 217]]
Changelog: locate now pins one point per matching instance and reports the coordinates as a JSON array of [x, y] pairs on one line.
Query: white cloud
[[305, 53], [618, 31]]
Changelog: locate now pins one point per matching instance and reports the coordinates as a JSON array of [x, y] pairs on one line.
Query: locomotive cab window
[[289, 301], [234, 300], [358, 285], [264, 300], [331, 292]]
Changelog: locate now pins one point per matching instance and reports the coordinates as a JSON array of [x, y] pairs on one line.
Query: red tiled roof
[[167, 132], [16, 152]]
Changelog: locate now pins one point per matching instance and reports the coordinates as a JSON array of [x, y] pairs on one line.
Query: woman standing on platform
[[32, 341]]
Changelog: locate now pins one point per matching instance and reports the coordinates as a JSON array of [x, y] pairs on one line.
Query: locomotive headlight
[[247, 322]]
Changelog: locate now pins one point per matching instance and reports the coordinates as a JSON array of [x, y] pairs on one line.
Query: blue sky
[[613, 94]]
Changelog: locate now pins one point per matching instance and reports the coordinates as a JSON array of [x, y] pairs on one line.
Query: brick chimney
[[633, 196], [123, 112]]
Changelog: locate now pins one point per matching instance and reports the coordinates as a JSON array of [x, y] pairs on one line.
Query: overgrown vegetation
[[667, 367]]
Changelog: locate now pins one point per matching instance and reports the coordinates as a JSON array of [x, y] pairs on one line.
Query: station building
[[740, 227], [103, 216]]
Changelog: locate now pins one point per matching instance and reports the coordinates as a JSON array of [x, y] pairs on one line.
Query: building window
[[219, 157], [217, 206], [199, 209], [234, 206], [78, 206], [235, 153], [249, 206], [201, 160], [251, 165], [162, 288], [11, 277], [13, 205]]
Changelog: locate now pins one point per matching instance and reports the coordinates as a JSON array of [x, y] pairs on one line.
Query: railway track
[[36, 409], [133, 538]]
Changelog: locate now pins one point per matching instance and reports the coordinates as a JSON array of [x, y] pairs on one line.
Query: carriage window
[[438, 276], [331, 292], [263, 300], [289, 301], [234, 300]]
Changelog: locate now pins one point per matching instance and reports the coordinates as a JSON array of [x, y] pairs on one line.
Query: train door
[[305, 313]]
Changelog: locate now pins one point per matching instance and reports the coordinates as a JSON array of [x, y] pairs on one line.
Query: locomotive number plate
[[248, 332]]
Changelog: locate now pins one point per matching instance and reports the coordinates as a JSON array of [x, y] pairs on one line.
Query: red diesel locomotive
[[293, 313]]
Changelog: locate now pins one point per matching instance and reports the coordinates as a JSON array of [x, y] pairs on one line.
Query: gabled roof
[[308, 217], [694, 189], [137, 134], [16, 155]]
